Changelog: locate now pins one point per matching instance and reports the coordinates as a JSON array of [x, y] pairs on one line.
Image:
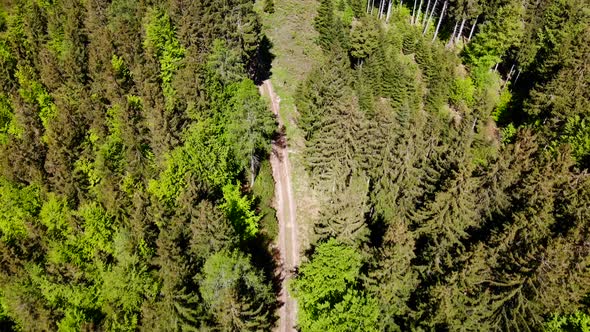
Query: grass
[[290, 29]]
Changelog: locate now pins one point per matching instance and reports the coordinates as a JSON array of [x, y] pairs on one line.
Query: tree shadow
[[261, 68], [266, 256]]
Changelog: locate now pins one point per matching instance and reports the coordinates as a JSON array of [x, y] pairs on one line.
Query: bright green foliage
[[463, 91], [8, 124], [578, 322], [502, 108], [577, 134], [124, 286], [18, 206], [234, 292], [508, 133], [99, 229], [80, 299], [119, 67], [33, 92], [238, 209], [327, 292], [204, 155], [162, 42], [55, 215], [496, 36]]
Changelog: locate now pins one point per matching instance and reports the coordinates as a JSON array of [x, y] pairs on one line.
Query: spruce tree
[[343, 217], [324, 24]]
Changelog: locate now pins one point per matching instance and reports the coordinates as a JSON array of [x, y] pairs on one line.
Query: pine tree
[[394, 278], [343, 217], [324, 24], [325, 85], [335, 151]]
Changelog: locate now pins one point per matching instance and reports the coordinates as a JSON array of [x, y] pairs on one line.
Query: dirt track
[[285, 206]]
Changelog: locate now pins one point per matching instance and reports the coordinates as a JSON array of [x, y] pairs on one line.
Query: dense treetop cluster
[[134, 190], [449, 141], [454, 171]]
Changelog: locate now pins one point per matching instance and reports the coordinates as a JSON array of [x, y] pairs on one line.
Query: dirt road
[[285, 206]]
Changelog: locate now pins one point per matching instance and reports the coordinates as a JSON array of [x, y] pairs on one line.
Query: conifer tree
[[343, 218], [324, 23]]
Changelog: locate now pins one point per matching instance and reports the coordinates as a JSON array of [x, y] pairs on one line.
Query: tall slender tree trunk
[[381, 8], [460, 32], [517, 76], [429, 18], [472, 29], [508, 77], [252, 169], [389, 11], [425, 13], [453, 35], [368, 5], [414, 12], [417, 20], [442, 14]]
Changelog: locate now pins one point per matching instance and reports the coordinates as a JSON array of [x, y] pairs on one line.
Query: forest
[[448, 142], [134, 185]]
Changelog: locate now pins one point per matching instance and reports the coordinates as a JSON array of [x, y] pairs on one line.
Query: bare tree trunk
[[508, 77], [472, 29], [413, 12], [252, 170], [460, 32], [442, 14], [368, 5], [417, 20], [496, 67], [425, 13], [401, 3], [453, 35], [389, 11], [517, 75], [429, 18], [381, 7]]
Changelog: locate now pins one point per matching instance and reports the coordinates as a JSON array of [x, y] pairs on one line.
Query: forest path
[[285, 206]]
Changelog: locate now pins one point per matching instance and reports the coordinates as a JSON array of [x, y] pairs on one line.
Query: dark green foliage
[[325, 24], [463, 225], [344, 216]]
